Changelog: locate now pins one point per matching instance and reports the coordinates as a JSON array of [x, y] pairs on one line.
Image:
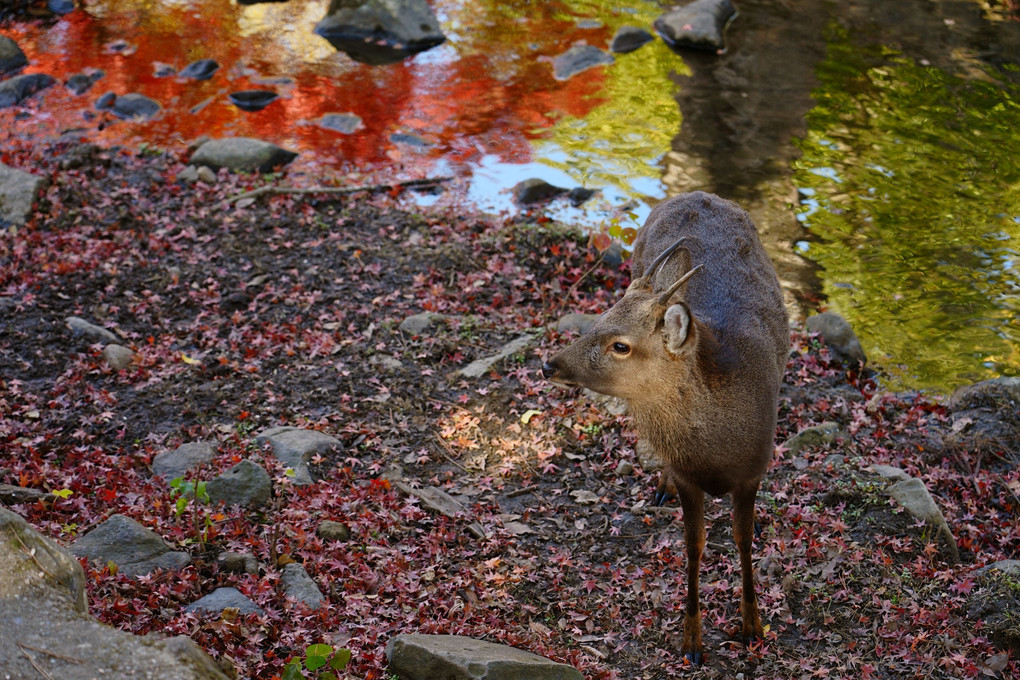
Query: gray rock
[[134, 106], [995, 603], [83, 155], [19, 543], [535, 190], [889, 472], [985, 417], [386, 362], [13, 495], [613, 255], [380, 31], [106, 101], [578, 196], [206, 174], [80, 83], [203, 69], [997, 393], [295, 447], [913, 495], [481, 367], [11, 56], [298, 585], [18, 191], [240, 563], [817, 435], [60, 6], [330, 530], [698, 25], [838, 335], [246, 483], [629, 38], [576, 323], [453, 657], [417, 323], [432, 498], [222, 598], [410, 139], [241, 154], [577, 59], [118, 356], [252, 100], [345, 123], [80, 327], [19, 88], [188, 456], [647, 457], [1007, 567], [43, 599], [188, 175], [135, 549]]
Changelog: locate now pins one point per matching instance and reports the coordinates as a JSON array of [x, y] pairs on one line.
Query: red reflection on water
[[456, 102]]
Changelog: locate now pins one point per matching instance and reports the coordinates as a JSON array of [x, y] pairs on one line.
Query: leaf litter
[[277, 312]]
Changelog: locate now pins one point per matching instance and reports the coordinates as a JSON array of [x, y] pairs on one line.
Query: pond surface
[[875, 143]]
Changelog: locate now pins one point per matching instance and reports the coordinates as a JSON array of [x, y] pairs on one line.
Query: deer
[[697, 347]]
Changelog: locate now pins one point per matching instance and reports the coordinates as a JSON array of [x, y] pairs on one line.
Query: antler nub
[[664, 298]]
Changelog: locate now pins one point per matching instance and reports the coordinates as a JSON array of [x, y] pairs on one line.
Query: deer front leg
[[743, 531], [665, 491], [692, 500]]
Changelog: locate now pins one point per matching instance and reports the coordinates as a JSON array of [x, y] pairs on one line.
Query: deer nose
[[548, 370]]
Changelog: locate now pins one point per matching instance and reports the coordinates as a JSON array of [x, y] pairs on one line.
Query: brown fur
[[706, 400]]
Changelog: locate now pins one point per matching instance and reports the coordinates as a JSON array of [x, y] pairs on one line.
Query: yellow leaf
[[529, 414], [188, 360], [62, 493]]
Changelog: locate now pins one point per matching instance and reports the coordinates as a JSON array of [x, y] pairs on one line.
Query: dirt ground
[[288, 310]]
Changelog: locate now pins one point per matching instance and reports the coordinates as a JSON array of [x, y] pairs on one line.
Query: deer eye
[[620, 348]]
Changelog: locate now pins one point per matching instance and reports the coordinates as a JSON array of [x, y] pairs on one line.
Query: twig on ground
[[34, 559], [448, 452], [42, 671], [270, 189], [47, 652]]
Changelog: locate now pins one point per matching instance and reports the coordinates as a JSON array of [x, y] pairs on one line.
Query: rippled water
[[874, 142]]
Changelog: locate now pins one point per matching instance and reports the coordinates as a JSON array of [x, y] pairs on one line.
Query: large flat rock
[[43, 600], [241, 154], [187, 456], [454, 657], [18, 191], [380, 31], [135, 549]]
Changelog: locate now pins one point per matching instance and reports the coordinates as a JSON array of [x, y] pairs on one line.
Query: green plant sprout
[[182, 492], [320, 660]]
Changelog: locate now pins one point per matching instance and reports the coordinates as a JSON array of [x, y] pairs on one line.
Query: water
[[874, 143]]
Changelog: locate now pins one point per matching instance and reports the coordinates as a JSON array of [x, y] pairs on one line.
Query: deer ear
[[678, 331]]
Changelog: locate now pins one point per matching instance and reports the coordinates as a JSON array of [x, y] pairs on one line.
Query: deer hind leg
[[743, 533], [692, 500]]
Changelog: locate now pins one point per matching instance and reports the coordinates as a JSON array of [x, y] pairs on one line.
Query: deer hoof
[[757, 529], [661, 498], [696, 658]]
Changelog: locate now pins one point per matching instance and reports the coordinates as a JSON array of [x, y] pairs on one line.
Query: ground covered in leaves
[[286, 311]]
